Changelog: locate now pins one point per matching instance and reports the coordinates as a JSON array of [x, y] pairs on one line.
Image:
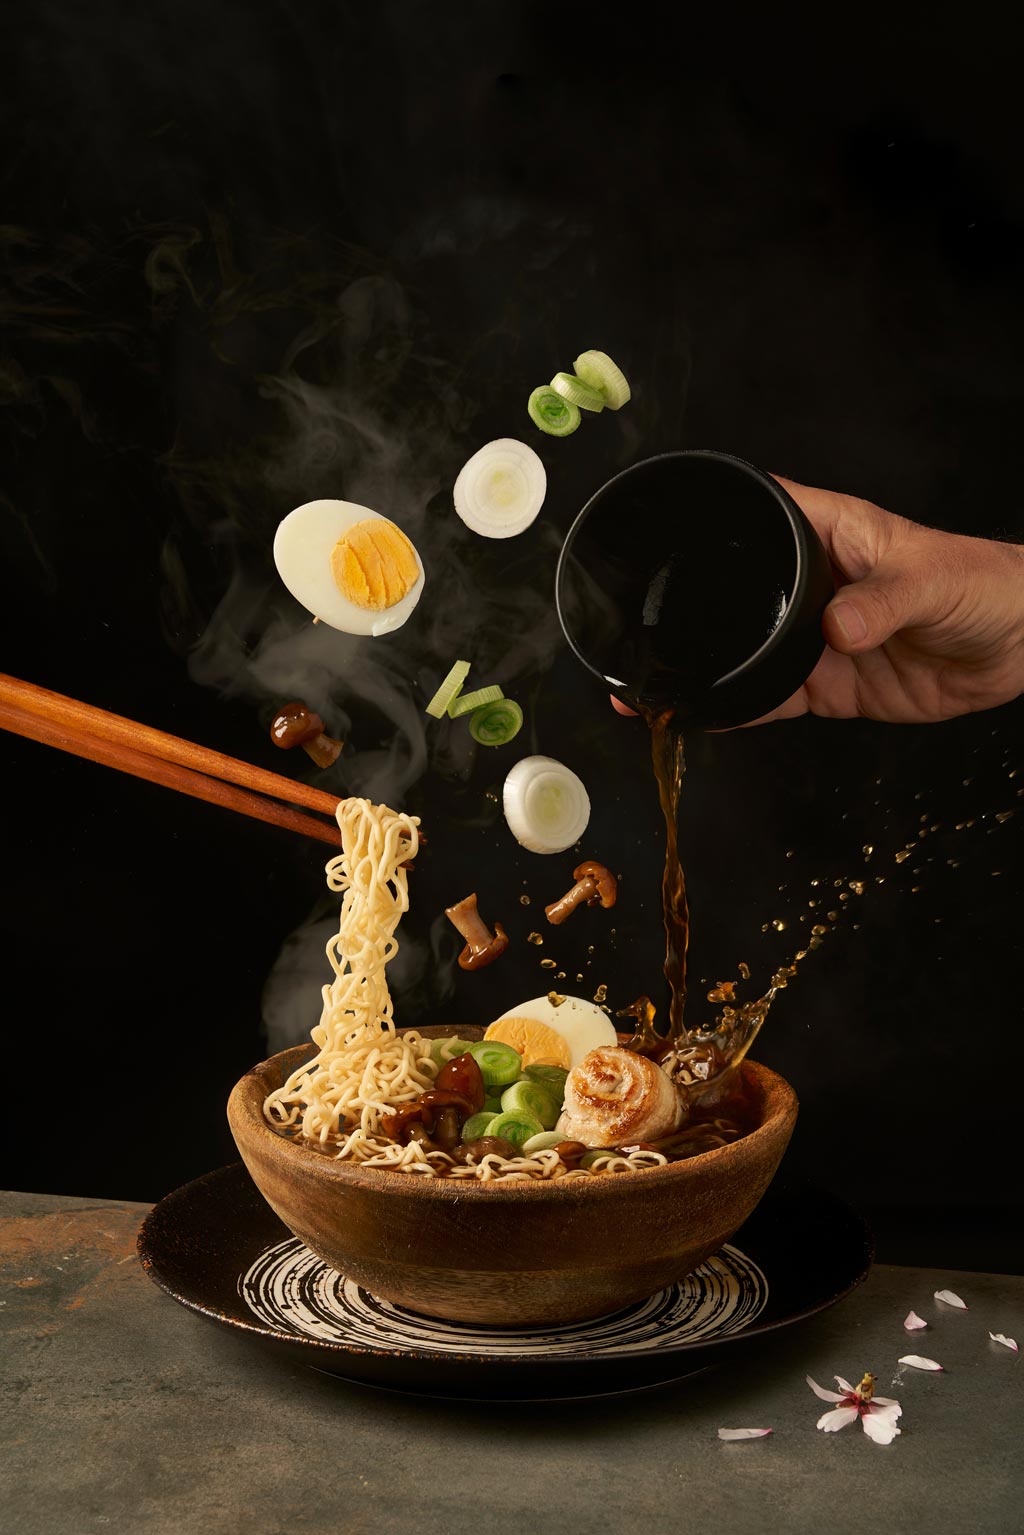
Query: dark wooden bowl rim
[[246, 1111]]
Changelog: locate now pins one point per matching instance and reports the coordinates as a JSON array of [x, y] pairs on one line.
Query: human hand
[[923, 626]]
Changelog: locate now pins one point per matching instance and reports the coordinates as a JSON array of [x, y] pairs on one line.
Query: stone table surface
[[123, 1411]]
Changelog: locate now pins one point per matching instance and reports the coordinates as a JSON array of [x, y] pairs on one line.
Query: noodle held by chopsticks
[[364, 1068]]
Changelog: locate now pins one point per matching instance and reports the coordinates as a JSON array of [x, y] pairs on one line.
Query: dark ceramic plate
[[216, 1246]]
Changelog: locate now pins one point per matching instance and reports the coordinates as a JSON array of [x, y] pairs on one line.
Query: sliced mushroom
[[595, 885], [482, 946]]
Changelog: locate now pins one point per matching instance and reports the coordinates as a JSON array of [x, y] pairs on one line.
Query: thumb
[[866, 613]]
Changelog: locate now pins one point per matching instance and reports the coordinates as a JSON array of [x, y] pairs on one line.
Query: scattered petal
[[1000, 1337], [838, 1418], [912, 1321], [916, 1362], [826, 1396], [882, 1426], [951, 1299], [743, 1433]]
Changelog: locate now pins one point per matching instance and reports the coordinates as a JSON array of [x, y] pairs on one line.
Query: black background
[[262, 253]]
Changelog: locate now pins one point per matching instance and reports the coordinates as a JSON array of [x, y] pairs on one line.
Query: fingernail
[[851, 621]]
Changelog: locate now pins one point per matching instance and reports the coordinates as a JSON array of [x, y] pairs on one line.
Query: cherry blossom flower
[[877, 1414]]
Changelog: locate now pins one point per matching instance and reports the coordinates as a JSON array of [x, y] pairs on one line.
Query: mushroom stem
[[323, 749], [595, 885], [482, 946]]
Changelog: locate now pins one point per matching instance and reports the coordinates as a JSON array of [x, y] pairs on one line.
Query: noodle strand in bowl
[[364, 1068]]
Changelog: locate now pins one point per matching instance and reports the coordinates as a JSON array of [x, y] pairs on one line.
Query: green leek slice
[[499, 1064], [552, 413], [531, 1098], [477, 1125], [546, 1141], [598, 370], [449, 690], [465, 703], [516, 1128], [496, 723], [577, 392]]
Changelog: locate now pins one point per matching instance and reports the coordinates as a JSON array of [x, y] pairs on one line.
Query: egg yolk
[[538, 1044], [374, 565]]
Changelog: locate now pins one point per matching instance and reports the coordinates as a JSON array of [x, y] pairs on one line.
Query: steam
[[303, 370], [363, 408]]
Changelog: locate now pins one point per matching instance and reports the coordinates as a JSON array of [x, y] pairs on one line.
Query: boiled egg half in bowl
[[554, 1032], [351, 567]]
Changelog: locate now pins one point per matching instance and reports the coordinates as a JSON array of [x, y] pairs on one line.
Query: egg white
[[582, 1024], [303, 545]]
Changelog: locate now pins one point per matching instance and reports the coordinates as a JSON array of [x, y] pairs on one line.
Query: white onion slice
[[501, 489], [546, 806]]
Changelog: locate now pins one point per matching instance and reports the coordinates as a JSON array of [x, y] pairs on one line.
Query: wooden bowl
[[523, 1254]]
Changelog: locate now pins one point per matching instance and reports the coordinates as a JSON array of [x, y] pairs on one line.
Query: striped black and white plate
[[218, 1248]]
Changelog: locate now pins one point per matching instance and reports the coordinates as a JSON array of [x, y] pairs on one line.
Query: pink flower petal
[[917, 1363], [912, 1321], [1000, 1337], [838, 1418], [951, 1299], [882, 1426], [743, 1433], [886, 1401], [826, 1396], [844, 1385]]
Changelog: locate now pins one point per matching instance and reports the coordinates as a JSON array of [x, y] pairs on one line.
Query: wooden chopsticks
[[86, 731]]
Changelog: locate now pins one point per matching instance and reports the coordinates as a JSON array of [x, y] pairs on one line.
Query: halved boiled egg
[[352, 568], [580, 1024]]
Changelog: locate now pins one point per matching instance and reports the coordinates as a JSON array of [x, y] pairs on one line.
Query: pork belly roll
[[615, 1097]]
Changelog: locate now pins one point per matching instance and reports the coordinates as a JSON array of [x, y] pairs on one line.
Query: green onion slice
[[552, 412], [446, 1049], [546, 1141], [499, 1064], [496, 722], [551, 1077], [449, 690], [477, 1125], [598, 370], [467, 702], [531, 1098], [577, 392], [516, 1128]]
